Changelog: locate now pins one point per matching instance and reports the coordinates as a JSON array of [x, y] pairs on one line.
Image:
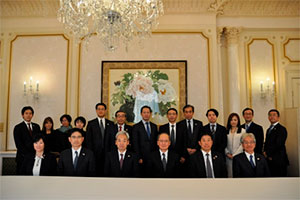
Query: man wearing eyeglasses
[[249, 163], [76, 161]]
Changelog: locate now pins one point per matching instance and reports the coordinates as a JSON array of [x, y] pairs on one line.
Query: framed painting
[[129, 85]]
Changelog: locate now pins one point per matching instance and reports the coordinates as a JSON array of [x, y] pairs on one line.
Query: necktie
[[212, 129], [164, 161], [29, 129], [102, 130], [148, 129], [121, 161], [247, 127], [270, 129], [120, 128], [208, 167], [172, 136], [75, 160], [189, 127], [251, 161]]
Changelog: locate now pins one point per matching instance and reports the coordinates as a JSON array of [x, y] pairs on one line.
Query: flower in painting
[[141, 84], [166, 92]]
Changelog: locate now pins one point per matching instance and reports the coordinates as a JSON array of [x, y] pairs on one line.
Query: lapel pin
[[128, 156], [258, 159], [83, 154], [215, 157]]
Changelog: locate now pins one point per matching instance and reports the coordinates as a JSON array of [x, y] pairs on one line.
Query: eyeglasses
[[248, 142], [76, 137], [165, 141]]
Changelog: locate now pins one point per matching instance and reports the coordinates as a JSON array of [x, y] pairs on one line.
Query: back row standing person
[[23, 136], [144, 136], [97, 136]]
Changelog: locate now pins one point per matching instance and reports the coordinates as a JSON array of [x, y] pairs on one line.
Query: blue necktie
[[148, 129], [247, 127], [251, 161], [270, 129]]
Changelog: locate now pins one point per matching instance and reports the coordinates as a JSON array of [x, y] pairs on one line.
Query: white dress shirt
[[73, 153], [170, 128], [37, 165], [145, 125], [192, 124], [122, 127], [166, 155], [210, 160], [253, 157], [103, 121]]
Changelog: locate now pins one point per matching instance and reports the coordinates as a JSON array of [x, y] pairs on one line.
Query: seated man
[[163, 163], [207, 163], [76, 161], [249, 163], [121, 162]]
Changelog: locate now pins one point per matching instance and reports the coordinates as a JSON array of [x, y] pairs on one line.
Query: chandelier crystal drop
[[110, 20]]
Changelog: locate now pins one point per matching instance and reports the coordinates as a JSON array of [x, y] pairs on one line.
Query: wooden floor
[[20, 187]]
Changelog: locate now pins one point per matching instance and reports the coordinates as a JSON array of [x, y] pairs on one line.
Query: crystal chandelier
[[110, 20]]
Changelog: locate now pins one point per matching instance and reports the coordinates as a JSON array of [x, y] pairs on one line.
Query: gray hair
[[251, 135], [122, 133]]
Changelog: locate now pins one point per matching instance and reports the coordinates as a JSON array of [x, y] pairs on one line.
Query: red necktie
[[120, 128], [29, 129]]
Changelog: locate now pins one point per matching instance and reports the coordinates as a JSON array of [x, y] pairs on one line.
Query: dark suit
[[24, 142], [48, 165], [142, 145], [219, 138], [112, 165], [155, 166], [100, 146], [191, 141], [197, 167], [276, 151], [85, 165], [179, 144], [258, 132], [242, 167]]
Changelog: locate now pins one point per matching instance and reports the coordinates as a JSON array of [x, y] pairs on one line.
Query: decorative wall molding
[[232, 34], [291, 55], [267, 8]]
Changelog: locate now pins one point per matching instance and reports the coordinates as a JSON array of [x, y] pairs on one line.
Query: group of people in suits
[[174, 150]]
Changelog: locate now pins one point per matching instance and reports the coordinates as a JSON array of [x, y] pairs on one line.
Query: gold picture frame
[[128, 85]]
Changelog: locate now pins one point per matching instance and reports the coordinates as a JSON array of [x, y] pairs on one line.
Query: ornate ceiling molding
[[251, 8]]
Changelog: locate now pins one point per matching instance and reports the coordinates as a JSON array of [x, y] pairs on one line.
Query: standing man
[[249, 163], [98, 133], [218, 132], [121, 126], [77, 160], [207, 163], [23, 133], [175, 133], [191, 128], [163, 163], [144, 136], [254, 128], [274, 149]]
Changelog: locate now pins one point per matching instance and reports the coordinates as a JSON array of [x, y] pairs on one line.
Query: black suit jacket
[[197, 167], [112, 165], [179, 145], [241, 166], [219, 138], [155, 167], [23, 141], [85, 165], [258, 132], [275, 145], [142, 145], [191, 141], [94, 141], [48, 165]]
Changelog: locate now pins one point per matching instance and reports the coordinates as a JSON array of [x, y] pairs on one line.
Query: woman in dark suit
[[39, 163], [51, 137]]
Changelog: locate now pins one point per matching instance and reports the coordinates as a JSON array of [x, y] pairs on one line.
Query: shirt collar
[[122, 153], [275, 124], [78, 150], [166, 153]]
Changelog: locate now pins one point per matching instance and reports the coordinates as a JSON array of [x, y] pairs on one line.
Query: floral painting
[[130, 88]]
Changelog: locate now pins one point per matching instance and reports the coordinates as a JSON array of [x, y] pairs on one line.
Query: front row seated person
[[77, 160], [39, 163], [207, 163], [120, 162], [163, 163], [249, 163]]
